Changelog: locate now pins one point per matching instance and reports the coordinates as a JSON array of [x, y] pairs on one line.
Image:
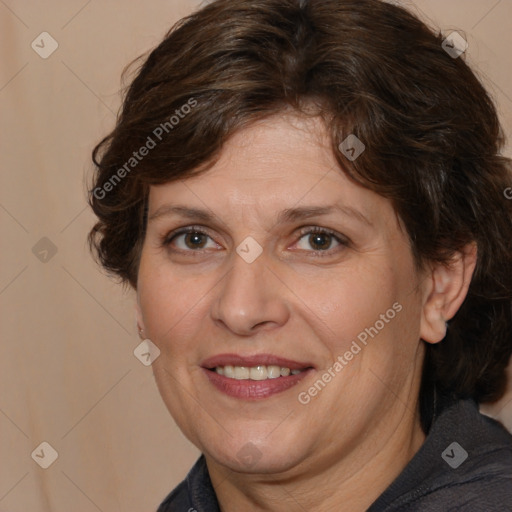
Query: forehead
[[273, 164], [276, 146]]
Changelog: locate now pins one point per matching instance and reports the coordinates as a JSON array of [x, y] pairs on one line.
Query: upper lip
[[253, 360]]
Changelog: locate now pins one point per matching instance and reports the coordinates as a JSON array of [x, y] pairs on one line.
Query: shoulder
[[465, 463]]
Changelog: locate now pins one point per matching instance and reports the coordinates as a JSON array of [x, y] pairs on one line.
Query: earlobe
[[139, 320], [446, 288]]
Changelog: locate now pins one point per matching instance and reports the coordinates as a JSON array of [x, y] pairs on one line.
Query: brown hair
[[431, 131]]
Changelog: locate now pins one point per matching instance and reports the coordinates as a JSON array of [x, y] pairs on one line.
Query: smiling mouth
[[254, 377], [259, 372], [243, 386]]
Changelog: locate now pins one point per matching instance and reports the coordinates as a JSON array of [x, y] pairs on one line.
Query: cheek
[[171, 306], [349, 302], [375, 307]]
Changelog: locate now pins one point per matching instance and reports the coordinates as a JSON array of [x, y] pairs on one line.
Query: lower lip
[[254, 389]]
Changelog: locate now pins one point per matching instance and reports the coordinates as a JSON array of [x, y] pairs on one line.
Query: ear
[[138, 316], [445, 289]]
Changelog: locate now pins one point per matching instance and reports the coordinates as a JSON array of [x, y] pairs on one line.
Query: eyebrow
[[287, 215]]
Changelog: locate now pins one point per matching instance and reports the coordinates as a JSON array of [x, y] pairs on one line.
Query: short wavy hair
[[432, 135]]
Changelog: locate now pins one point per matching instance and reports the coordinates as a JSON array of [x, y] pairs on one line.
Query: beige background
[[68, 375]]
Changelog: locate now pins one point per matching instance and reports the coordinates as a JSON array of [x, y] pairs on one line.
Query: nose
[[249, 298]]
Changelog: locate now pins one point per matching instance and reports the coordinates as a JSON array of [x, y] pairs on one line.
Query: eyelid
[[167, 238], [303, 231], [342, 240], [317, 229]]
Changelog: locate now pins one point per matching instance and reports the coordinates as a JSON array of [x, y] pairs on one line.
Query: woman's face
[[268, 280]]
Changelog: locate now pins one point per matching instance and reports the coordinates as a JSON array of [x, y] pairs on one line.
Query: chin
[[256, 455]]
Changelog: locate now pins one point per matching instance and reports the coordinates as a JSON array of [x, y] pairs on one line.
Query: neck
[[327, 482]]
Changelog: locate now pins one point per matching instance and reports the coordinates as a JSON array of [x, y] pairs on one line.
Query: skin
[[197, 298]]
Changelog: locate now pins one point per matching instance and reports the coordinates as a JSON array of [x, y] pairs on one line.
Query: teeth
[[260, 372], [273, 372], [241, 372]]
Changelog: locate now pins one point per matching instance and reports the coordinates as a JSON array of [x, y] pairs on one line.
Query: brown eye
[[195, 240], [188, 239], [320, 240]]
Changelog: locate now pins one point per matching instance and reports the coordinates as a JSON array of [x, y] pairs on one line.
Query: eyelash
[[343, 241]]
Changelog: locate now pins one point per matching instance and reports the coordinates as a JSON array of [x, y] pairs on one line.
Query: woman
[[308, 197]]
